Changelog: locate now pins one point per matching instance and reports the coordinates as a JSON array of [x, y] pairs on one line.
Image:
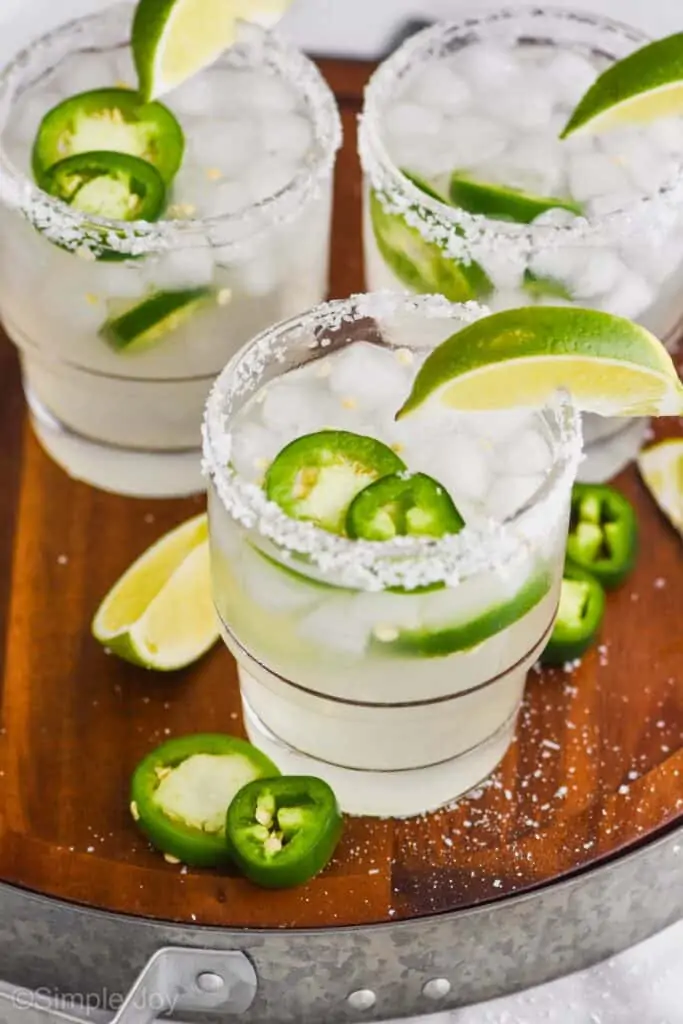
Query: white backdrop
[[360, 27]]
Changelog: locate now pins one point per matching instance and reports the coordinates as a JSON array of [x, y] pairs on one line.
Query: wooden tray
[[596, 768]]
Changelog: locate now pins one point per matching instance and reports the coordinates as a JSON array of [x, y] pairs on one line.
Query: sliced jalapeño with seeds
[[108, 184], [282, 832], [109, 119], [317, 476], [403, 504], [181, 791]]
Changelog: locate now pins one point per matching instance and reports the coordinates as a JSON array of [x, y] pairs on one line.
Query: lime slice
[[461, 636], [661, 467], [503, 203], [160, 614], [174, 39], [644, 86], [521, 357], [153, 318]]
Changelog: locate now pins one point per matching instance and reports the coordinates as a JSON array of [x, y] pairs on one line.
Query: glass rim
[[410, 562], [18, 190], [387, 178]]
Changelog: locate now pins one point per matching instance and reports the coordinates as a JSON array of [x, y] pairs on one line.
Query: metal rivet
[[362, 999], [209, 982], [437, 988]]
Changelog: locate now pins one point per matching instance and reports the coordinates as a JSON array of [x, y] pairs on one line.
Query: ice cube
[[332, 625], [598, 274], [272, 587], [181, 268], [537, 164], [270, 176], [562, 264], [460, 462], [412, 119], [509, 494], [509, 298], [630, 297], [650, 171], [190, 186], [229, 146], [30, 111], [253, 449], [195, 97], [474, 140], [120, 281], [486, 65], [124, 68], [86, 71], [504, 269], [571, 75], [667, 134], [555, 218], [269, 93], [523, 103], [224, 198], [440, 88], [614, 202], [292, 408], [526, 454], [370, 376], [287, 135], [595, 174], [654, 259], [258, 276]]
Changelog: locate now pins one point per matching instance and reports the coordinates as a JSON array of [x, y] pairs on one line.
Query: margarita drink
[[600, 217], [393, 669], [119, 341]]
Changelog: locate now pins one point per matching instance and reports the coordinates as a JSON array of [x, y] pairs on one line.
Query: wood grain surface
[[597, 765]]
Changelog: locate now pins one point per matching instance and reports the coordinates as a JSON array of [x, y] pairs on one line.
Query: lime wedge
[[160, 614], [503, 203], [153, 318], [644, 86], [520, 357], [174, 39], [661, 467]]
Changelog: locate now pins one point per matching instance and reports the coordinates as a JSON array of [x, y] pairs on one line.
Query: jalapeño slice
[[108, 184], [317, 476], [421, 265], [403, 504], [153, 318], [603, 533], [180, 794], [579, 617], [109, 119], [282, 832]]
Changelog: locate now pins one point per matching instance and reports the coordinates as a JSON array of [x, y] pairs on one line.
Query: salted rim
[[476, 233], [74, 230], [408, 562]]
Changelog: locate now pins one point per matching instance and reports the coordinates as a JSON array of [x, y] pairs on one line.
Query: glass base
[[387, 794], [607, 455], [136, 474]]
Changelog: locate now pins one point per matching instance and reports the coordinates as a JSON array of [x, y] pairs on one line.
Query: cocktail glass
[[393, 670], [624, 256], [129, 420]]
